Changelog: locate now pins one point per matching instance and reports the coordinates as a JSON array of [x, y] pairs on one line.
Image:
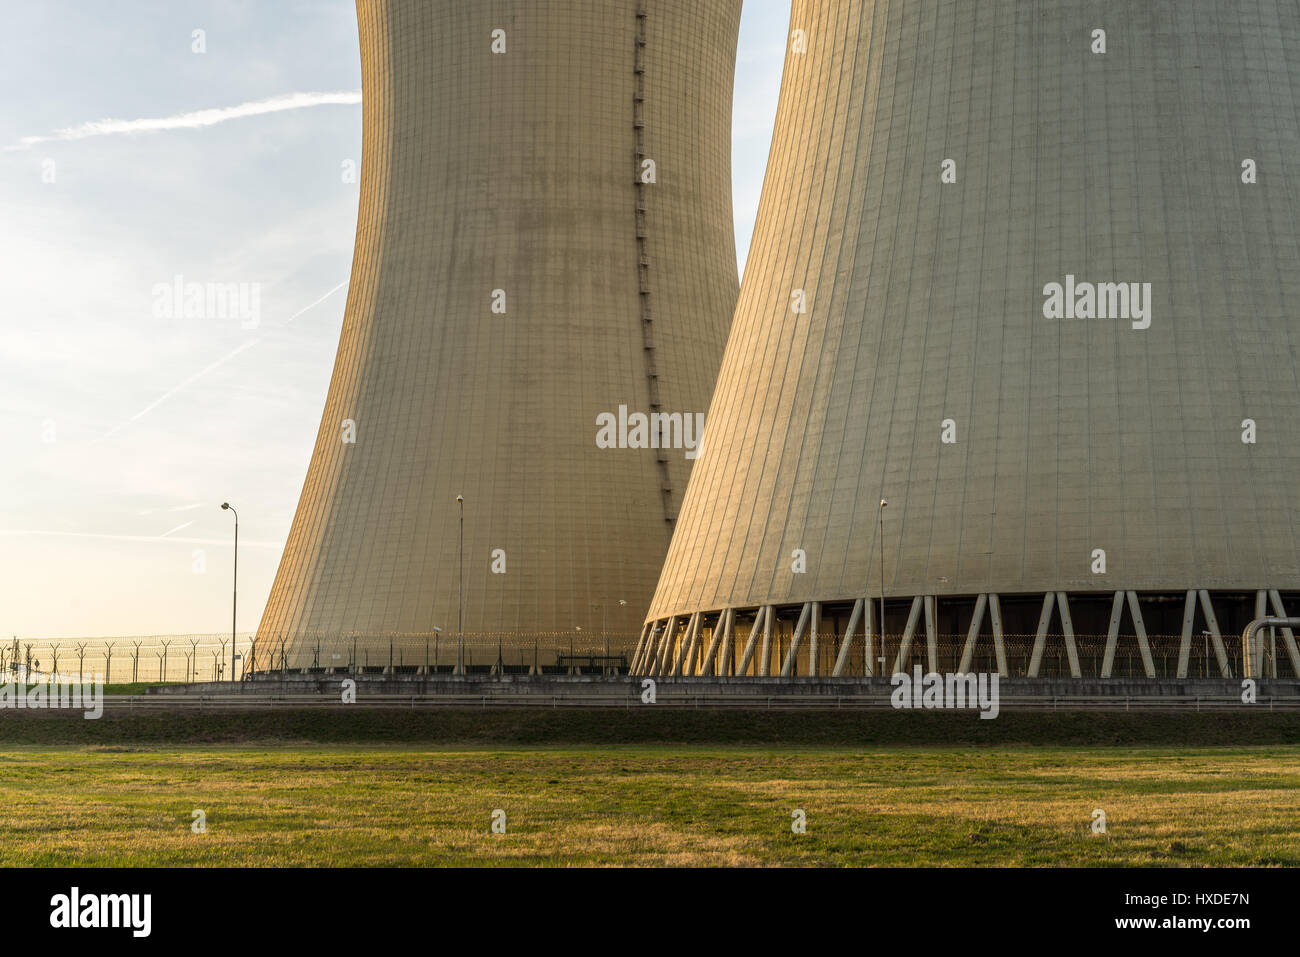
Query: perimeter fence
[[207, 657]]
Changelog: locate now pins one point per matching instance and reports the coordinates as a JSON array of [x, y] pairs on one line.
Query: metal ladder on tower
[[643, 259]]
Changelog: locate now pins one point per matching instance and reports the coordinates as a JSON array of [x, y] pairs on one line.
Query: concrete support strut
[[743, 665], [787, 669], [814, 624], [992, 603], [999, 646], [905, 646], [706, 668], [665, 652], [847, 642], [724, 666], [1139, 629], [765, 656], [931, 634], [1225, 669], [721, 636], [640, 647], [1040, 638], [670, 644], [651, 643], [687, 648], [1185, 641], [1288, 636], [968, 650]]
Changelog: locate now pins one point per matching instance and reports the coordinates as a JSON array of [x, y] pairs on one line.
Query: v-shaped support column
[[1139, 628], [1050, 600]]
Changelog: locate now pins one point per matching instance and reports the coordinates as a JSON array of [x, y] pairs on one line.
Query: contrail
[[316, 303], [196, 119], [139, 538], [176, 529], [171, 392], [202, 372], [174, 508]]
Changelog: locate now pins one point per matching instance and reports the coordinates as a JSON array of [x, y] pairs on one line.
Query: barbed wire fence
[[436, 652], [207, 657], [552, 652], [122, 659]]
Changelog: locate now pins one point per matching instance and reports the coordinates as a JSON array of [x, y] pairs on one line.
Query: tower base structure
[[1083, 634]]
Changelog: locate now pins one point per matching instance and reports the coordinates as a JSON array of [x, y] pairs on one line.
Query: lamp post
[[883, 653], [604, 635], [621, 603], [234, 590], [460, 590]]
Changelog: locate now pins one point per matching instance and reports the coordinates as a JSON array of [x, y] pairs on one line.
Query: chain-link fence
[[207, 657], [194, 658], [135, 658], [550, 653], [438, 653]]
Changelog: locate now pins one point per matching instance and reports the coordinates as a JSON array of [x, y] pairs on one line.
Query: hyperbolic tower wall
[[1013, 449], [515, 161]]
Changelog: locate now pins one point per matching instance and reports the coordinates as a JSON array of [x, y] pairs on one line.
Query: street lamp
[[234, 590], [460, 591], [883, 653], [621, 603], [604, 635]]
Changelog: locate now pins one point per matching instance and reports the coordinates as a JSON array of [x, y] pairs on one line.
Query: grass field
[[343, 804]]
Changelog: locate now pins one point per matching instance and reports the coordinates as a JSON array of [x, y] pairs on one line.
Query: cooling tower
[[1028, 273], [544, 246]]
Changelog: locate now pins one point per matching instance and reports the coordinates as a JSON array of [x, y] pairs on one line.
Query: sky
[[130, 159]]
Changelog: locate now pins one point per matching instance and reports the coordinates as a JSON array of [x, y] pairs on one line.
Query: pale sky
[[127, 159]]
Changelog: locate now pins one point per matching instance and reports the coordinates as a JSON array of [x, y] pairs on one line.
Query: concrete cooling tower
[[1027, 273], [543, 278]]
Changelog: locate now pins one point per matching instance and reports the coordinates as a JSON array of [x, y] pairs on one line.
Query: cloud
[[193, 120]]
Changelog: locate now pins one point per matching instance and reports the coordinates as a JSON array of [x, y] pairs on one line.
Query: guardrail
[[146, 704]]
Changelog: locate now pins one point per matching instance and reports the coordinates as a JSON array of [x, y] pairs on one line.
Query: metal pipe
[[1248, 652]]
